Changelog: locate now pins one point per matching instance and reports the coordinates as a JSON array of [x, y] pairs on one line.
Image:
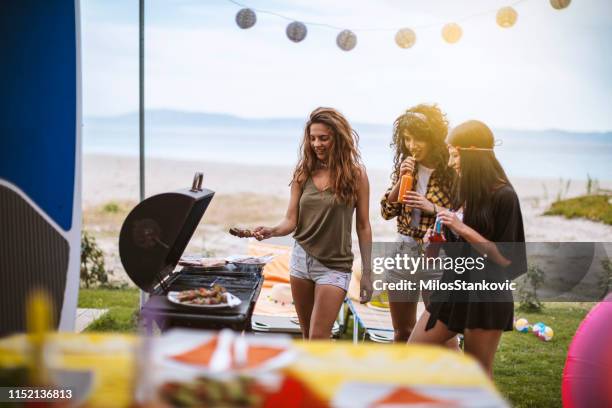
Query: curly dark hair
[[428, 123]]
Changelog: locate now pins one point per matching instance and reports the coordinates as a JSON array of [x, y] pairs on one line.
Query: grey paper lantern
[[405, 38], [560, 4], [346, 40], [246, 18], [296, 31]]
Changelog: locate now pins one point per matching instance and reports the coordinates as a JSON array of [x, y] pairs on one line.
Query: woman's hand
[[261, 233], [416, 200], [427, 235], [407, 166], [450, 219], [365, 287]]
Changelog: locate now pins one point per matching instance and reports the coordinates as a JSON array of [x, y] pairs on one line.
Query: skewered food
[[241, 233], [203, 296]]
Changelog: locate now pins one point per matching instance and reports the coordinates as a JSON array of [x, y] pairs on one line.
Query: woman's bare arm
[[364, 233], [288, 224], [480, 243]]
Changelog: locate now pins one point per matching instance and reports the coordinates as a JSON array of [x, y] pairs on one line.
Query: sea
[[553, 154]]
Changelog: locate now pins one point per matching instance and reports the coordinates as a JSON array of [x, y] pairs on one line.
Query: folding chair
[[376, 324]]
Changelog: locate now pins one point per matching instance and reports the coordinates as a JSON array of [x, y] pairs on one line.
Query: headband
[[418, 115], [497, 142], [483, 149]]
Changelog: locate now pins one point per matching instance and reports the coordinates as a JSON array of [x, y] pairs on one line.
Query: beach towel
[[276, 271]]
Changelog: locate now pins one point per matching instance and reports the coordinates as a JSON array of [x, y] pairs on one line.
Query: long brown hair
[[428, 123], [344, 160], [480, 174]]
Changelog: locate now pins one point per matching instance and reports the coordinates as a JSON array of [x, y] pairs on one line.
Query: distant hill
[[171, 118]]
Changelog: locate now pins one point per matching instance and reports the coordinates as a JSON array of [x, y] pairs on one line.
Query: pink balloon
[[587, 376]]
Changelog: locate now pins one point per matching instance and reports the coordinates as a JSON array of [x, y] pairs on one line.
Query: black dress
[[491, 310]]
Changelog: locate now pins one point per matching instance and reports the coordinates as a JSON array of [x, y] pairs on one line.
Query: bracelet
[[435, 210]]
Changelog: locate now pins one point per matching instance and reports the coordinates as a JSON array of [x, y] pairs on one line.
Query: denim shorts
[[407, 245], [304, 266]]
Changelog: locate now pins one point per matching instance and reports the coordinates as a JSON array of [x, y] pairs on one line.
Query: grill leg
[[146, 325]]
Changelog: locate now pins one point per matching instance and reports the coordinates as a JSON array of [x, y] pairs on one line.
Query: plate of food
[[248, 260], [205, 298], [197, 261]]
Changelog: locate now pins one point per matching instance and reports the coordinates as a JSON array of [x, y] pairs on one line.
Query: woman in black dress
[[492, 221]]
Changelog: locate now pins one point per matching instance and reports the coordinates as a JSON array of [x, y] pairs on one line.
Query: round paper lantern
[[452, 33], [521, 325], [346, 40], [560, 4], [586, 377], [246, 18], [506, 17], [405, 38], [296, 31]]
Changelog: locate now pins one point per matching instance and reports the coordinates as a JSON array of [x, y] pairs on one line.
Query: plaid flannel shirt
[[434, 194]]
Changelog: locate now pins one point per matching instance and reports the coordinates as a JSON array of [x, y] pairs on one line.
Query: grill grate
[[231, 283]]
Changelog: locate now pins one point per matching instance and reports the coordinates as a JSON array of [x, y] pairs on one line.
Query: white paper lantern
[[296, 31], [405, 38], [560, 4], [452, 33], [506, 17], [346, 40], [246, 18]]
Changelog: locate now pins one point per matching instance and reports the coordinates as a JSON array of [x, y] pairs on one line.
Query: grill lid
[[156, 232]]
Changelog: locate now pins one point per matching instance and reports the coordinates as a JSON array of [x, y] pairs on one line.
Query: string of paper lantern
[[246, 18], [560, 4], [296, 31], [405, 37], [506, 17], [346, 40], [452, 33]]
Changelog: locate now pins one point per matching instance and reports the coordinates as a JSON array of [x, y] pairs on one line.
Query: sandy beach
[[248, 195]]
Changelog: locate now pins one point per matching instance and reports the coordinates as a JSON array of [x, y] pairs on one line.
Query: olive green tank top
[[324, 228]]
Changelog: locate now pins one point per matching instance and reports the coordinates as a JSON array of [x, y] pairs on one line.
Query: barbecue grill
[[152, 240]]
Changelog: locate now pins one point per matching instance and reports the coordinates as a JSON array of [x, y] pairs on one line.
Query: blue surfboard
[[40, 157]]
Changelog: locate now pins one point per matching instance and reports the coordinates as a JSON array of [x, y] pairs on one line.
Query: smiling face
[[454, 159], [321, 140], [419, 148]]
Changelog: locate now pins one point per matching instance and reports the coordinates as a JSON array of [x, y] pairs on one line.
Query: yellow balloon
[[506, 17], [560, 4], [405, 38], [452, 33]]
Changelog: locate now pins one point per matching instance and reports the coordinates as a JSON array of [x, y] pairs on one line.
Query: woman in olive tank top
[[329, 184]]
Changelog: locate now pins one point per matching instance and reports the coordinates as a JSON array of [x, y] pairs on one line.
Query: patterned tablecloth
[[361, 375]]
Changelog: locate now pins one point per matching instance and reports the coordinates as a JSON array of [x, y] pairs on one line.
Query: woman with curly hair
[[420, 150], [328, 185]]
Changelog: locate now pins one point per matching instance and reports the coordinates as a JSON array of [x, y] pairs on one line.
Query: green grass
[[527, 370], [122, 305], [592, 207]]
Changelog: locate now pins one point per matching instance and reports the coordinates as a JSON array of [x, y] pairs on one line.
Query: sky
[[553, 69]]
